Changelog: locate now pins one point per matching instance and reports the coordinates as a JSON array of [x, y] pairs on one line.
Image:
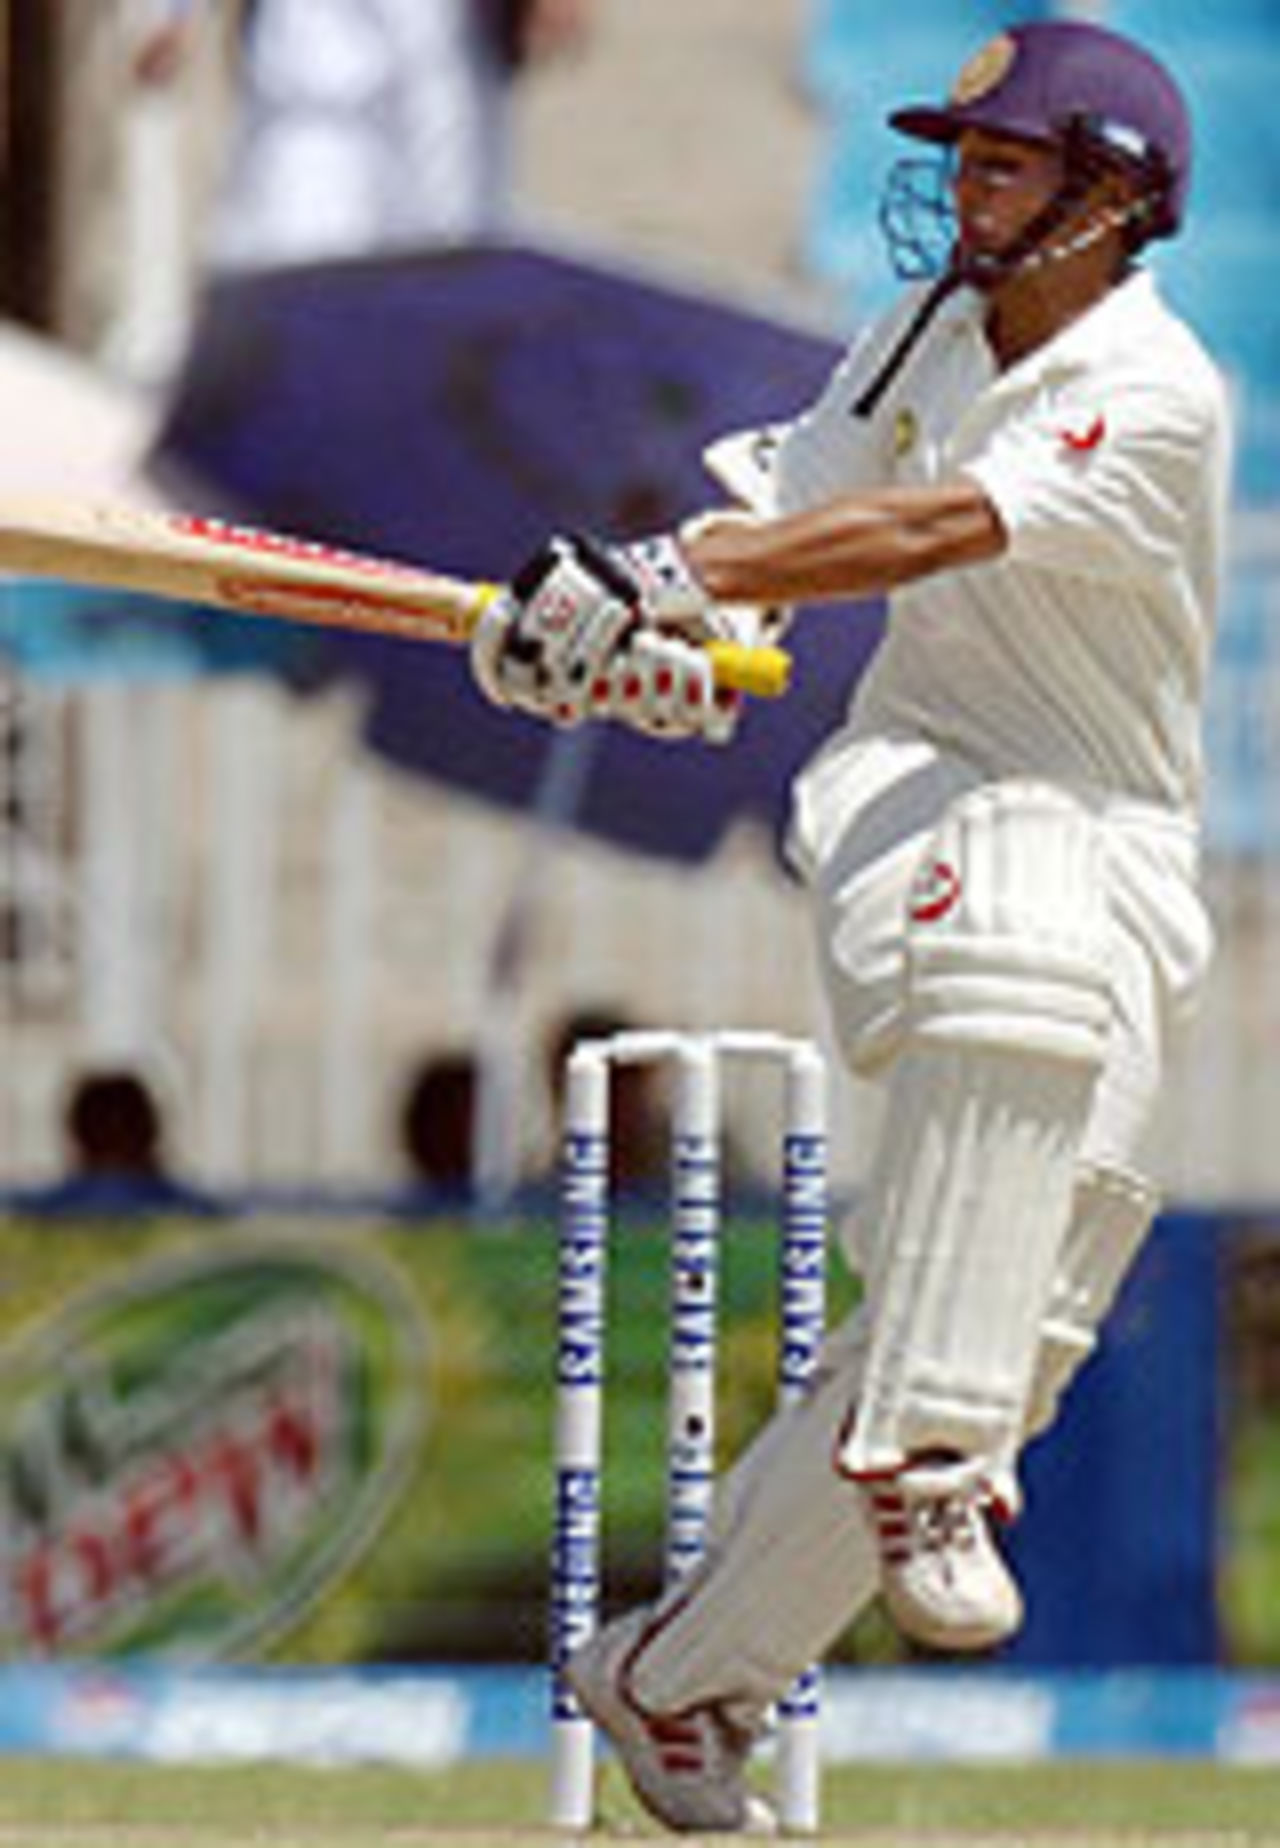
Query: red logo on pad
[[937, 889]]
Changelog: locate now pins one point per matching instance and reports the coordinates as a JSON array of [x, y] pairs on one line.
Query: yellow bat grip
[[761, 673]]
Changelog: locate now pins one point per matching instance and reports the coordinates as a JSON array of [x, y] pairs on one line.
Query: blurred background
[[294, 931]]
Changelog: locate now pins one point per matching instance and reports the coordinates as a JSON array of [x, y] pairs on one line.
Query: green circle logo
[[189, 1460]]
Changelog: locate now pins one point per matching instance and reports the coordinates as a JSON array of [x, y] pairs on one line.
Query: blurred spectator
[[363, 126], [437, 1126], [116, 1165]]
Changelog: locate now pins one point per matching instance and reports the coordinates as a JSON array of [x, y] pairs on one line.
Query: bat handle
[[763, 673], [759, 672]]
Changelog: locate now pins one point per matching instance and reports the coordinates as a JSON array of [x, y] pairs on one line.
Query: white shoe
[[688, 1769], [942, 1577]]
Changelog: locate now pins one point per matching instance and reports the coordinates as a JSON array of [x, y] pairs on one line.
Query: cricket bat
[[196, 559]]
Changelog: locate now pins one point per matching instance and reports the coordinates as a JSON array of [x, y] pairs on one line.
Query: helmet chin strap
[[1032, 250], [952, 278], [1029, 251], [1111, 218]]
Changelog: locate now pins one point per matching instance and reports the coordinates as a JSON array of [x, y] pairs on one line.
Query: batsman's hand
[[572, 638]]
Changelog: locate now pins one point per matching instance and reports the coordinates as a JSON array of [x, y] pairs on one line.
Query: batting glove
[[673, 600], [569, 640], [665, 687], [551, 638]]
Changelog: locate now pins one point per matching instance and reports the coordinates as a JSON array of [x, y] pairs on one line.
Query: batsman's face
[[1000, 185]]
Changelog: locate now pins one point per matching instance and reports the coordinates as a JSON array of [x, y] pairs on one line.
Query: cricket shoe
[[942, 1577], [688, 1768]]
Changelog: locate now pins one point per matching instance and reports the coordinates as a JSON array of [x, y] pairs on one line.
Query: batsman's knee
[[1007, 928], [991, 929]]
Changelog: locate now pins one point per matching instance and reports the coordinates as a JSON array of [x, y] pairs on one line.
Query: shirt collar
[[1092, 335]]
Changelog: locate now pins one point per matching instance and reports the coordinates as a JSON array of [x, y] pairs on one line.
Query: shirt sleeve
[[1102, 485]]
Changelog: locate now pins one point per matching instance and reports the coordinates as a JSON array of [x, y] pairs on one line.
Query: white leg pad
[[1110, 1219], [969, 1197], [966, 1211], [791, 1562]]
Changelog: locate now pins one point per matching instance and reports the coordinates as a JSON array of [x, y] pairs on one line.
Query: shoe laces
[[931, 1508]]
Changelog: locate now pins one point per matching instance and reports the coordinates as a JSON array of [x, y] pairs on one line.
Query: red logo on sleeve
[[1080, 442]]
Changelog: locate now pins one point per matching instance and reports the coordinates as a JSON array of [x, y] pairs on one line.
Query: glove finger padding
[[666, 688], [575, 636]]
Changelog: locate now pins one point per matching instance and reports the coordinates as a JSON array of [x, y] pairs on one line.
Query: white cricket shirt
[[1081, 653]]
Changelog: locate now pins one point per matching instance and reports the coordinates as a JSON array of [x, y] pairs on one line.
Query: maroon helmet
[[1103, 101], [1097, 95]]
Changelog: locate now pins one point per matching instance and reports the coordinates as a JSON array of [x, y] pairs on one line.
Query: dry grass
[[492, 1804]]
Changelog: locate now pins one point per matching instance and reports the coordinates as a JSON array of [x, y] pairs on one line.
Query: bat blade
[[253, 572], [189, 557]]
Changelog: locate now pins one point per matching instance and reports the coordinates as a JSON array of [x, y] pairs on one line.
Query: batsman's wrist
[[669, 591], [708, 539]]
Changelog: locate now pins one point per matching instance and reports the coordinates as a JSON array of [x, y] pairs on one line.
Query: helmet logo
[[906, 431], [986, 70]]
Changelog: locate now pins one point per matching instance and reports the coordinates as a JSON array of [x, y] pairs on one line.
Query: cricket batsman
[[1029, 455]]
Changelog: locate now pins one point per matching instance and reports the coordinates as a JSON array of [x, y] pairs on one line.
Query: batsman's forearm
[[858, 546]]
